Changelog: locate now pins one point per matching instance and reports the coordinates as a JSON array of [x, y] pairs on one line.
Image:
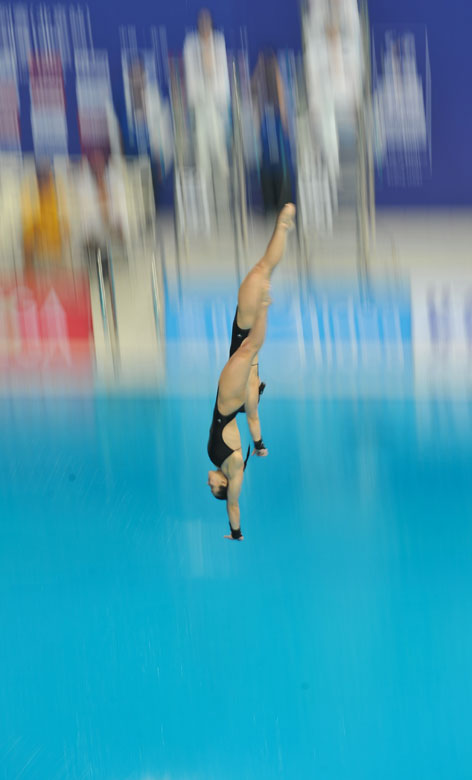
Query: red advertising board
[[46, 325]]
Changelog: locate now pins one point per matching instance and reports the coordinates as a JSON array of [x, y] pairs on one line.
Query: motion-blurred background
[[145, 150], [144, 156]]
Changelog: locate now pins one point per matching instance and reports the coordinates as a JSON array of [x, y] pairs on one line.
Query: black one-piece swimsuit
[[218, 450]]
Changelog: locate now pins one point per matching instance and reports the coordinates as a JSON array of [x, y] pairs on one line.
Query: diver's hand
[[262, 453]]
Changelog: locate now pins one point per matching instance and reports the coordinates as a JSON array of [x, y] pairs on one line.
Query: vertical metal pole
[[114, 312], [369, 116], [366, 197], [104, 308], [155, 297], [301, 222], [236, 174], [113, 293], [103, 303], [361, 198], [240, 163], [180, 227]]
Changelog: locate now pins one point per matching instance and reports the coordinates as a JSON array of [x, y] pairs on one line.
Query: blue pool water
[[137, 644]]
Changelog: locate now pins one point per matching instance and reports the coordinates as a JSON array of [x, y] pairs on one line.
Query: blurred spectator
[[320, 92], [149, 124], [45, 227], [272, 125], [101, 200], [10, 210], [334, 25], [345, 45], [208, 94], [334, 73], [399, 106]]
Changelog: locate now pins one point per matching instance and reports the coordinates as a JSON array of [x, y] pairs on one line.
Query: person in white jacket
[[336, 25], [322, 106], [208, 94]]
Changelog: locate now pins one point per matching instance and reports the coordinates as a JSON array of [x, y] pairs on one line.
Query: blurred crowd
[[207, 112]]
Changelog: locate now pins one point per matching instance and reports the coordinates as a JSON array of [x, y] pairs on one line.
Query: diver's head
[[218, 484]]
